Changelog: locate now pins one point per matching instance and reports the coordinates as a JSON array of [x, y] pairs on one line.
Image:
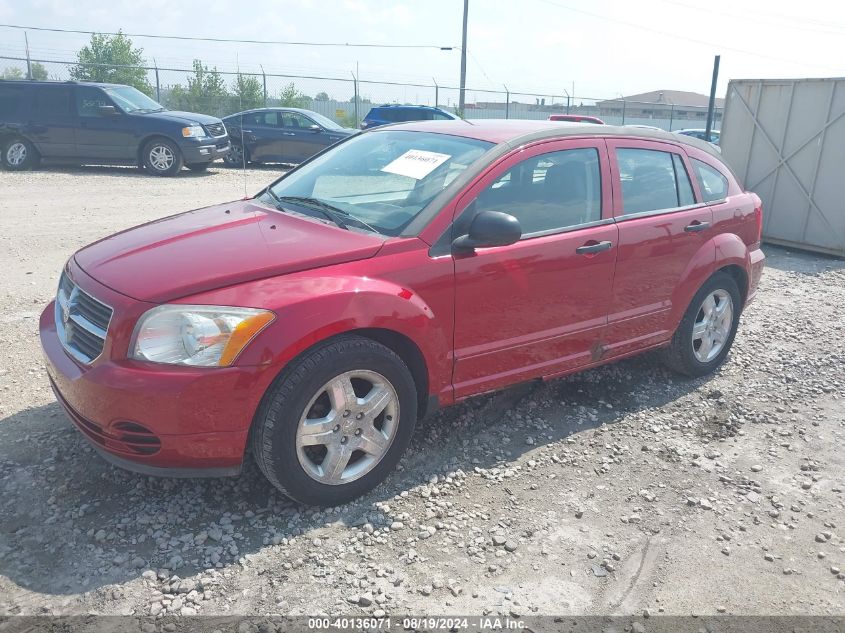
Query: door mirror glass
[[315, 128], [490, 228], [107, 110]]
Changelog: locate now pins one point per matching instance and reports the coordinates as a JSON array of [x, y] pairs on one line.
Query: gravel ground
[[621, 490]]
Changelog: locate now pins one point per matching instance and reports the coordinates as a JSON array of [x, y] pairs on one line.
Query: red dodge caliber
[[403, 269]]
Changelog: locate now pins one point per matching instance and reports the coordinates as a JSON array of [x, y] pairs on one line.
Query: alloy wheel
[[16, 154], [712, 325], [161, 157], [347, 427]]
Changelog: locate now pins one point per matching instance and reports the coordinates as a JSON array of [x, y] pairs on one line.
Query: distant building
[[661, 104]]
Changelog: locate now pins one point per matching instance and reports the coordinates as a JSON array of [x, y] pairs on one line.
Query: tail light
[[758, 216]]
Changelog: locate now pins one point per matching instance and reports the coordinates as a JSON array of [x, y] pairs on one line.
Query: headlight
[[194, 131], [204, 336]]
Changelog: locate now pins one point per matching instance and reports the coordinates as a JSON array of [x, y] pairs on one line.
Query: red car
[[401, 270], [576, 118]]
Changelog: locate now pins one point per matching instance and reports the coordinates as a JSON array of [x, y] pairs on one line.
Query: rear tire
[[336, 421], [19, 155], [198, 166], [706, 333], [162, 158]]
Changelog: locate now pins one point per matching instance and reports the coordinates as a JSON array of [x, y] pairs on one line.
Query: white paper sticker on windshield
[[416, 163]]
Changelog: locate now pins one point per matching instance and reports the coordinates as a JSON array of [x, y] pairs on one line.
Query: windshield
[[133, 100], [383, 178], [326, 123]]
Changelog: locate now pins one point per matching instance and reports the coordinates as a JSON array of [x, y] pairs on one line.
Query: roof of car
[[273, 109], [519, 131], [37, 82], [399, 105]]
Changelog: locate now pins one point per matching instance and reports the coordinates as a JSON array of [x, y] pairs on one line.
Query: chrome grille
[[81, 321], [215, 129]]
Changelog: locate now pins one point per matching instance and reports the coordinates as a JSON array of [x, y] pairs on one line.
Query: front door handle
[[595, 247], [288, 133], [696, 226]]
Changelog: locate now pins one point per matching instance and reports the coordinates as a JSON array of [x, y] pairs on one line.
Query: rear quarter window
[[713, 184], [11, 98]]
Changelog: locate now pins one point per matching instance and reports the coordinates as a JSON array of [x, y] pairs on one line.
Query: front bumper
[[205, 150], [154, 419]]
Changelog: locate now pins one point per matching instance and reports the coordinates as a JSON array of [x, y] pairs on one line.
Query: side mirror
[[315, 128], [490, 228], [107, 110]]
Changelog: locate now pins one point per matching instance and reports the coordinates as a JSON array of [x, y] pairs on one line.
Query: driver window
[[89, 100], [295, 121], [549, 192]]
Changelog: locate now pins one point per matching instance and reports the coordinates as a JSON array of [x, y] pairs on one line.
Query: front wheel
[[707, 331], [336, 422], [236, 156], [19, 155], [162, 157]]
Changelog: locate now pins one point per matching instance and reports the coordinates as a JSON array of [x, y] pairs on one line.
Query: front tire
[[336, 421], [19, 155], [236, 156], [162, 157], [706, 333]]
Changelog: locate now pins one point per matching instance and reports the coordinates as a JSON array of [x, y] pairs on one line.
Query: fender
[[722, 250], [311, 307]]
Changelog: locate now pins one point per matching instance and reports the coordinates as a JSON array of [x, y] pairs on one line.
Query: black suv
[[97, 123]]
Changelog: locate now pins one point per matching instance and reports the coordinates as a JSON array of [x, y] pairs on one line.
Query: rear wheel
[[19, 155], [336, 422], [162, 158], [707, 331]]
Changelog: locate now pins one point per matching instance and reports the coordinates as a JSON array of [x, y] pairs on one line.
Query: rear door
[[537, 307], [663, 230], [262, 136], [52, 123], [102, 137]]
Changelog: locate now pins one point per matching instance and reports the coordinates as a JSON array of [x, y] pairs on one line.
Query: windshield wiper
[[326, 209]]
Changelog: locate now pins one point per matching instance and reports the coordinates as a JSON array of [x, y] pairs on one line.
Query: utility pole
[[711, 106], [28, 61], [462, 98]]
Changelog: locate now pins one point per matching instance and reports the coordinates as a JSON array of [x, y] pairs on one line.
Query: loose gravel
[[622, 490]]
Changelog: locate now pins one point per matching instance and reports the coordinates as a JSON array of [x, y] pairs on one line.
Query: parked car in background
[[391, 113], [576, 118], [403, 269], [280, 135], [83, 122], [701, 134]]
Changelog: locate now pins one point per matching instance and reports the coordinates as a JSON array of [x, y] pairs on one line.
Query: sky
[[592, 49]]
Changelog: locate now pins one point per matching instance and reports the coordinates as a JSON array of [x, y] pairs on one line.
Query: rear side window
[[549, 192], [51, 101], [714, 186], [651, 181], [439, 116], [10, 100]]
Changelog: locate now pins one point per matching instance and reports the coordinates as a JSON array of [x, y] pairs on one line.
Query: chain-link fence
[[347, 100]]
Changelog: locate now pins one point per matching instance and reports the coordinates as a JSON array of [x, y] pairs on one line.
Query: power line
[[228, 40], [687, 38]]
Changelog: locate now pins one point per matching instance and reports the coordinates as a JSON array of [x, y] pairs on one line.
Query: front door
[[663, 233], [537, 307], [99, 136], [52, 123], [301, 142]]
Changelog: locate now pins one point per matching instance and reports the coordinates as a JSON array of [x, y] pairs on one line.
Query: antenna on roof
[[241, 108]]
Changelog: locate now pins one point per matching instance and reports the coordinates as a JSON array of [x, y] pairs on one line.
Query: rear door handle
[[696, 226], [288, 133], [590, 249]]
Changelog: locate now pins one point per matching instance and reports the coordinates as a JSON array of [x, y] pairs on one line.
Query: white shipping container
[[785, 139]]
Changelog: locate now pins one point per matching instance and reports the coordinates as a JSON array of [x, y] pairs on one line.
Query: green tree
[[321, 96], [249, 92], [11, 72], [112, 59], [206, 91], [39, 72], [290, 97]]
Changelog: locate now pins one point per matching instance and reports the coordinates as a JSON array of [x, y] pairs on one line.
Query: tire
[[293, 456], [162, 157], [19, 154], [704, 338], [198, 166], [234, 157]]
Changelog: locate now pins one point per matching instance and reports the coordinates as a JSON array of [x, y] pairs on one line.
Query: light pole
[[462, 97]]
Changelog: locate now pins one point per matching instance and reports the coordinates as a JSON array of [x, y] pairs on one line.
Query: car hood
[[180, 117], [215, 247]]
